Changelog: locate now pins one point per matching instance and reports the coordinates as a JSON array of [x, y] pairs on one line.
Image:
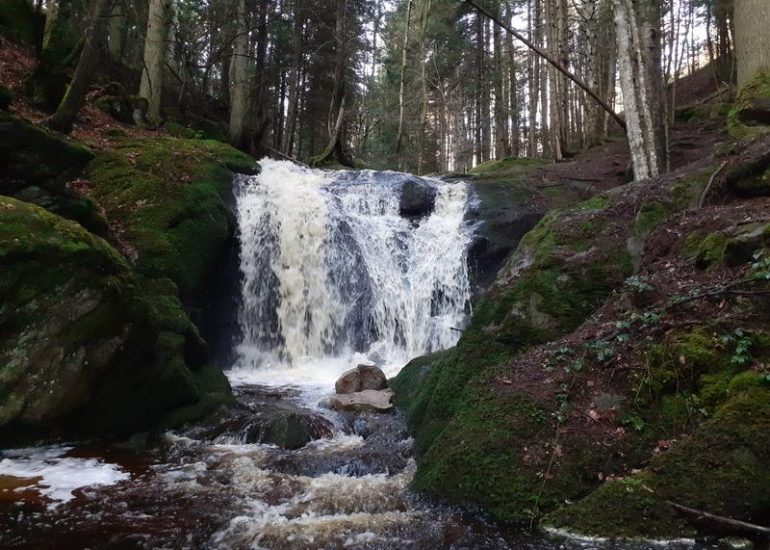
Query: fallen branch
[[559, 67], [732, 524], [707, 190]]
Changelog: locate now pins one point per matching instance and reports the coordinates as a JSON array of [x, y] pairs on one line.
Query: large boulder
[[418, 199], [288, 429], [86, 346], [361, 378], [364, 401]]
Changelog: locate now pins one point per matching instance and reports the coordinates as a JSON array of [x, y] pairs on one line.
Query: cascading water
[[334, 272]]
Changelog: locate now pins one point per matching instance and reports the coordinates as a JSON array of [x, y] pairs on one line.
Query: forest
[[385, 274]]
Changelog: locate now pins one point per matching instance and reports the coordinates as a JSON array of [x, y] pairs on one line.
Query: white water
[[333, 275], [56, 476]]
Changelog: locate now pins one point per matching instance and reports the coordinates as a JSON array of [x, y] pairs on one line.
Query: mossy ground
[[566, 375]]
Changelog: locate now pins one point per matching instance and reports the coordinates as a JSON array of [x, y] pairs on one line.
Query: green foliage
[[18, 22]]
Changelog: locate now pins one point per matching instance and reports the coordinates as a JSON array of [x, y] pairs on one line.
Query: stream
[[335, 269]]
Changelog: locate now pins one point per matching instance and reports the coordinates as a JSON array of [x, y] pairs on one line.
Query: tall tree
[[752, 40], [639, 57], [155, 47], [239, 76]]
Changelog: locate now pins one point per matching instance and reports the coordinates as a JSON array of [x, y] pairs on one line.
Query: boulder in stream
[[364, 401], [361, 378], [418, 199]]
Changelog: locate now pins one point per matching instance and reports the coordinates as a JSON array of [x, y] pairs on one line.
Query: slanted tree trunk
[[75, 96], [239, 76], [151, 86], [752, 39], [639, 57]]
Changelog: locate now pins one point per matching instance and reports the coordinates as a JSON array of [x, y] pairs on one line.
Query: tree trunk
[[117, 31], [502, 145], [75, 96], [639, 56], [151, 86], [239, 77], [402, 79], [752, 40], [336, 147]]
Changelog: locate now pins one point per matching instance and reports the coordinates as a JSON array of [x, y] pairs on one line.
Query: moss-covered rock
[[86, 347], [32, 155], [750, 117], [720, 469], [485, 440], [36, 165], [171, 200]]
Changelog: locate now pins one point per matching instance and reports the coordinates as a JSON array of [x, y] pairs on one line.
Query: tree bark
[[639, 56], [752, 40], [75, 96], [239, 77], [151, 86], [402, 79]]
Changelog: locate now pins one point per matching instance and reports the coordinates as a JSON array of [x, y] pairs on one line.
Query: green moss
[[86, 347], [32, 155], [598, 202], [758, 89], [720, 469], [171, 198], [650, 216], [507, 165]]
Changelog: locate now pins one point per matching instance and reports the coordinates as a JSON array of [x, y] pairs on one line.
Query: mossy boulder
[[171, 200], [721, 469], [33, 155], [86, 346], [485, 440], [122, 108], [37, 165]]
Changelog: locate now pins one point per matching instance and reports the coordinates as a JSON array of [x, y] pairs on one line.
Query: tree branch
[[577, 80]]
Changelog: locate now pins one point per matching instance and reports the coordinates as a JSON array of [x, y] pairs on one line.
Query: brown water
[[206, 488]]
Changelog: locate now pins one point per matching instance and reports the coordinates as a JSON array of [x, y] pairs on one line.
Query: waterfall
[[334, 271]]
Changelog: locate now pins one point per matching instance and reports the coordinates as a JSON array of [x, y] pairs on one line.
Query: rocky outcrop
[[418, 199], [362, 389], [86, 346], [481, 415], [361, 378], [364, 401]]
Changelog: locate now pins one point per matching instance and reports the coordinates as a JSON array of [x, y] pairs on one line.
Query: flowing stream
[[337, 268]]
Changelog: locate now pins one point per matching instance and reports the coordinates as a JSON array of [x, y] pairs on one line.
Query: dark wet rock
[[501, 220], [361, 378], [5, 98], [418, 199], [361, 427], [364, 401], [288, 429]]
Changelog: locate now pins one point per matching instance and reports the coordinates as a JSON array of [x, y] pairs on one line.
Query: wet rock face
[[418, 199], [361, 378]]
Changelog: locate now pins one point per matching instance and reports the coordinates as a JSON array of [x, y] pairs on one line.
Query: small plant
[[761, 266], [603, 350], [639, 284], [742, 341]]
